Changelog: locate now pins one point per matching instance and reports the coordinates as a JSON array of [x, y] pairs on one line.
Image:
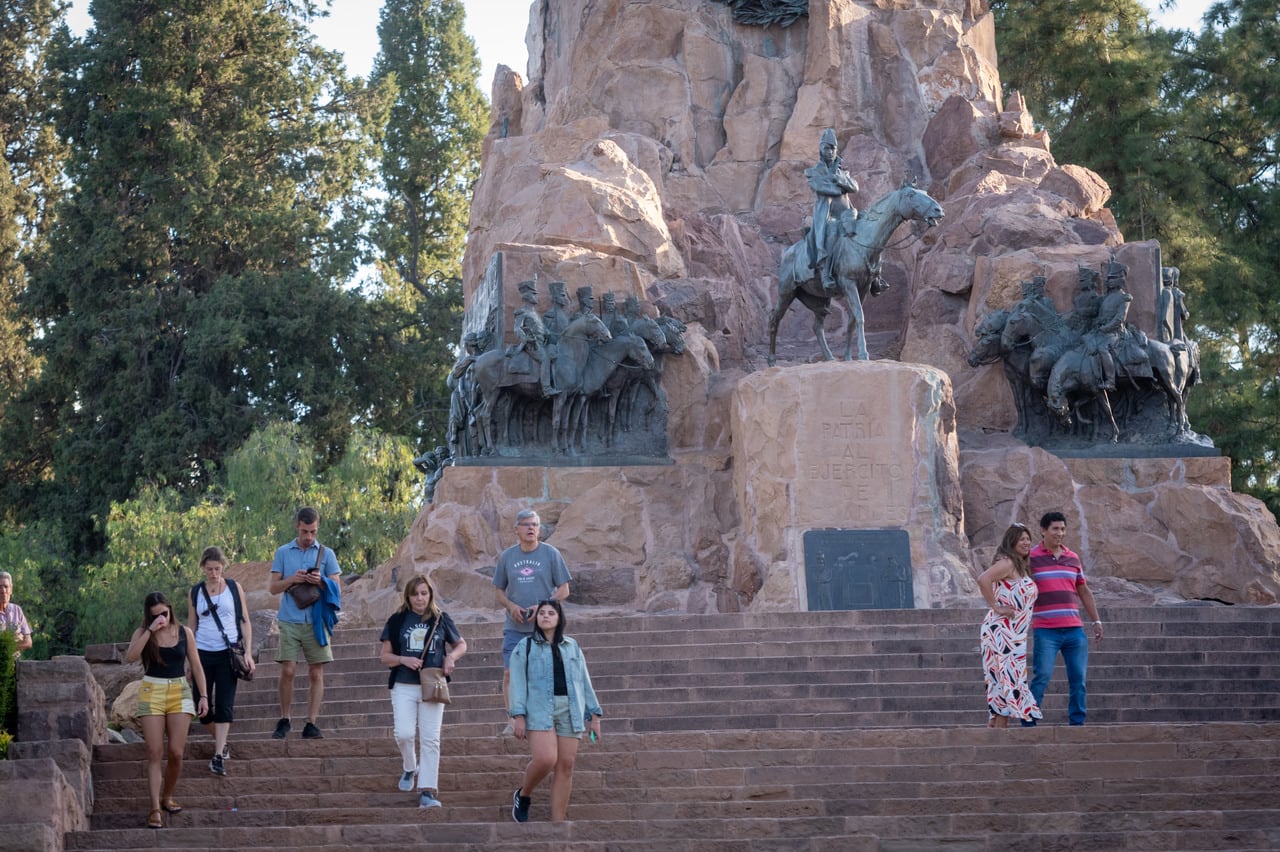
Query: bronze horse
[[856, 262]]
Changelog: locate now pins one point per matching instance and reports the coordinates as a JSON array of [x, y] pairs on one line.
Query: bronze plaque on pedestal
[[858, 569]]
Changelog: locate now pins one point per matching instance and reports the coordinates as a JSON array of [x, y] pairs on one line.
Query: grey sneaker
[[282, 729], [216, 767], [520, 806], [426, 800], [311, 732], [226, 752], [406, 782]]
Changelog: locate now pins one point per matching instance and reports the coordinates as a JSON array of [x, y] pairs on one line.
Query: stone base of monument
[[851, 446]]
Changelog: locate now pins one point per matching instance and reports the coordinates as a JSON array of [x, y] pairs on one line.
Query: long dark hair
[[151, 651], [1009, 549], [558, 636]]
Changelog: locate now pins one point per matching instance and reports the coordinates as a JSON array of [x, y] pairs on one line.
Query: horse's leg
[[1104, 402], [786, 295], [855, 326]]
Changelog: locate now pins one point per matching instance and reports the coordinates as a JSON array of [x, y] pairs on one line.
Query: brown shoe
[[171, 806]]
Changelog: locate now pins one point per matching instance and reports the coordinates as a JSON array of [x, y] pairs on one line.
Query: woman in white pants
[[404, 639]]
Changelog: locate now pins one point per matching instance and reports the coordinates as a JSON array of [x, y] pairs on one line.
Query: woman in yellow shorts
[[166, 647]]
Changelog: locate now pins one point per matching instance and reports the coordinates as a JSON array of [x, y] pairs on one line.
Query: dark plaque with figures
[[858, 569]]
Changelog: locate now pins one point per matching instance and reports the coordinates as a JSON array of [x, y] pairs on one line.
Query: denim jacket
[[533, 679]]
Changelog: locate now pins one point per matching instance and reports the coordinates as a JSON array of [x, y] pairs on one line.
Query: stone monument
[[658, 151]]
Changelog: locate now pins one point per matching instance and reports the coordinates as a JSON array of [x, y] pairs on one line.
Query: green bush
[[8, 689]]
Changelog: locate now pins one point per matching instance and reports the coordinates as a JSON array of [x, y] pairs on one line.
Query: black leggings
[[222, 683]]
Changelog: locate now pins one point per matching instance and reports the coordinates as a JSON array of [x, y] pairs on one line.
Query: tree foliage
[[430, 160], [29, 179], [1227, 87], [192, 288], [366, 503]]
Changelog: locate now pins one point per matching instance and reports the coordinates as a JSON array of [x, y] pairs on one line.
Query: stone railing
[[46, 784]]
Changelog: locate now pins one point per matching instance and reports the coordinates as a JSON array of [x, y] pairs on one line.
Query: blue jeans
[[1074, 646]]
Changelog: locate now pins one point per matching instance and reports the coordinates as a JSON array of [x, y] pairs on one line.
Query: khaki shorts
[[301, 638], [160, 696]]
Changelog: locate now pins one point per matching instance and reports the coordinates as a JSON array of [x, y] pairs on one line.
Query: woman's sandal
[[171, 806], [155, 819]]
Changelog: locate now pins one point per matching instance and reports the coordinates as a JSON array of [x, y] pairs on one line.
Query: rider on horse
[[531, 335], [830, 183]]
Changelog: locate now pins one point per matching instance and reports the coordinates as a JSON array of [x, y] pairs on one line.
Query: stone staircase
[[784, 731]]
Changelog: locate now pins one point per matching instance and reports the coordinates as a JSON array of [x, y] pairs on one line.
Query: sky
[[498, 27]]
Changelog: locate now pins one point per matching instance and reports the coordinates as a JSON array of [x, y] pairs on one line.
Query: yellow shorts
[[161, 696], [301, 638]]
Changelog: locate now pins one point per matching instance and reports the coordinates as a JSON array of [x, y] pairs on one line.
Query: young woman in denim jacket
[[552, 703]]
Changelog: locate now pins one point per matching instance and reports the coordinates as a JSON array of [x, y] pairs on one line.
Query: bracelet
[[1097, 622]]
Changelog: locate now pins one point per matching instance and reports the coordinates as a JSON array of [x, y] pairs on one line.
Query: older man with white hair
[[528, 572], [11, 615]]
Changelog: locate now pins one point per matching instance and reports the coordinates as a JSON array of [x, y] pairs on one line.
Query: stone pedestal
[[862, 445]]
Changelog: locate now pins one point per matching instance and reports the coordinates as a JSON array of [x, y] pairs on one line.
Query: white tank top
[[207, 636]]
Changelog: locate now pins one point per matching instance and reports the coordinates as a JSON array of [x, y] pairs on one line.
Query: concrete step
[[849, 731]]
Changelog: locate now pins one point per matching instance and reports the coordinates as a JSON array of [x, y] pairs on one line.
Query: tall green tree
[[30, 177], [1229, 111], [193, 286], [430, 162]]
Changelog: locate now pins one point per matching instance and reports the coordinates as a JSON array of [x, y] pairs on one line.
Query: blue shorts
[[510, 639]]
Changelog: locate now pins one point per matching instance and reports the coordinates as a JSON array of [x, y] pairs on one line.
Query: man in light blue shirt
[[301, 563]]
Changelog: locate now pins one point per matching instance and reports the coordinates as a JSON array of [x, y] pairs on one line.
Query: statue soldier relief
[[531, 336], [1090, 375], [553, 395]]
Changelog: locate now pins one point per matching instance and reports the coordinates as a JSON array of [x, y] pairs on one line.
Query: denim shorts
[[161, 696], [563, 721]]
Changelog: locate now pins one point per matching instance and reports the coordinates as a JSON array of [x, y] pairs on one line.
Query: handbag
[[306, 594], [435, 688], [239, 665]]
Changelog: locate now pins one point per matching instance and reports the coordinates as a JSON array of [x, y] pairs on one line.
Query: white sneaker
[[406, 782]]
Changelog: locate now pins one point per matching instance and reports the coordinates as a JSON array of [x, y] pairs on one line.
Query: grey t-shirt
[[527, 578]]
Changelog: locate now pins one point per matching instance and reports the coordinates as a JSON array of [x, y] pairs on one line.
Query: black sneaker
[[311, 732], [226, 752], [216, 767], [282, 729], [520, 806]]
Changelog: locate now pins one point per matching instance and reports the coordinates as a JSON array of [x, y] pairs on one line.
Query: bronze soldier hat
[[585, 292], [527, 287], [829, 138]]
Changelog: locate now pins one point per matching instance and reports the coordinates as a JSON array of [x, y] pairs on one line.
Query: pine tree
[[1230, 124], [192, 289], [430, 162], [29, 178]]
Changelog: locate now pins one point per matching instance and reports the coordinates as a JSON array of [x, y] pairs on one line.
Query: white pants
[[410, 712]]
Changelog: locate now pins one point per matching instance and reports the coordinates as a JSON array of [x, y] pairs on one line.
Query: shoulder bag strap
[[426, 648], [213, 610]]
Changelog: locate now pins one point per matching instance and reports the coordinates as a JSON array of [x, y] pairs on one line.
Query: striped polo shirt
[[1057, 577]]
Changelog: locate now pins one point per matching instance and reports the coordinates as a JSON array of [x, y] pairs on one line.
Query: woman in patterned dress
[[1010, 593]]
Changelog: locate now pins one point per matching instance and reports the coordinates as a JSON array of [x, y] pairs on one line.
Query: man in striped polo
[[1055, 622]]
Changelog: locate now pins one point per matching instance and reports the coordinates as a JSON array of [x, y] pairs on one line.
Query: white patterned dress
[[1004, 651]]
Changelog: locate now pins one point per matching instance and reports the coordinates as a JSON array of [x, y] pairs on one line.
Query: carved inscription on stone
[[858, 569], [853, 455]]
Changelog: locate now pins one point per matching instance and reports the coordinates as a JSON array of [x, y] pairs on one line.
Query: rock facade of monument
[[657, 149], [1158, 523]]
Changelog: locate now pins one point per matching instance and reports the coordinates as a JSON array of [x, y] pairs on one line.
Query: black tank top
[[173, 661]]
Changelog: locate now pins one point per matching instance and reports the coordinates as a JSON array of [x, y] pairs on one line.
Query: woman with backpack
[[219, 618]]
